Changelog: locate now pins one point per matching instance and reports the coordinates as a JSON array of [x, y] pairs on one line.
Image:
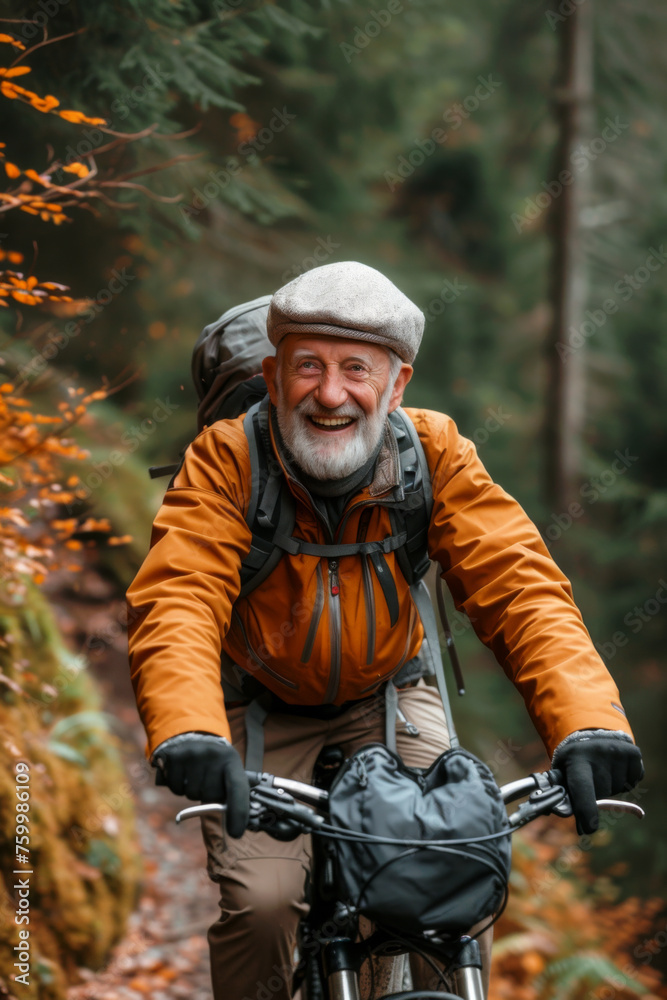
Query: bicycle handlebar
[[545, 791]]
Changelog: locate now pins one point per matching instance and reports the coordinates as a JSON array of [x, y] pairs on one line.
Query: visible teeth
[[332, 421]]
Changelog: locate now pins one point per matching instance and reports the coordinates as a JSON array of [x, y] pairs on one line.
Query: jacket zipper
[[369, 597], [258, 660], [394, 670], [334, 632]]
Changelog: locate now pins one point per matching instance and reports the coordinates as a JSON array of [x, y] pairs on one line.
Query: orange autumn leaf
[[245, 127], [141, 984], [14, 71], [78, 117], [34, 176], [44, 104], [119, 540], [68, 524], [12, 41], [77, 168], [96, 524], [12, 170], [13, 256]]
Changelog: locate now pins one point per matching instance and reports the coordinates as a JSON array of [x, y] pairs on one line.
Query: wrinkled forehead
[[331, 350]]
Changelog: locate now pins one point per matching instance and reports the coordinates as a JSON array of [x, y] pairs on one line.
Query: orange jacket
[[312, 645]]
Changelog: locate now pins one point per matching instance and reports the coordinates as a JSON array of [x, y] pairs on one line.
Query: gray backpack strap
[[449, 638], [251, 433], [412, 516], [422, 599], [268, 492], [391, 713], [255, 716]]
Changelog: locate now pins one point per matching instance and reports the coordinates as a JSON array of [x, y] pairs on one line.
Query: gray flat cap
[[347, 300]]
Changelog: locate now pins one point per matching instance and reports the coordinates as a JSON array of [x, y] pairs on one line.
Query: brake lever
[[622, 805], [556, 777], [262, 798], [282, 804], [541, 802], [550, 797], [205, 809]]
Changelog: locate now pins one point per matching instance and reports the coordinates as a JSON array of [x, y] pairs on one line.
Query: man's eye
[[356, 369], [308, 365]]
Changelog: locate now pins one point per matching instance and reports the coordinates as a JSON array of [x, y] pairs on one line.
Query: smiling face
[[332, 396]]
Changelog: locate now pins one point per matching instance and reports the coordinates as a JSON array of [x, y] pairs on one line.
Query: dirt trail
[[164, 954]]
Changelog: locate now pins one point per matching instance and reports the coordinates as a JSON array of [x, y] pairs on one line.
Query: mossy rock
[[83, 853]]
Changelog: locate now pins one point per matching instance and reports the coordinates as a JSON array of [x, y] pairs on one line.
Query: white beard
[[332, 459]]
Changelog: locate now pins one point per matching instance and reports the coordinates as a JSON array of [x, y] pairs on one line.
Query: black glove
[[596, 763], [205, 768]]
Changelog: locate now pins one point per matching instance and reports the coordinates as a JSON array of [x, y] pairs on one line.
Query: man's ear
[[404, 376], [269, 367]]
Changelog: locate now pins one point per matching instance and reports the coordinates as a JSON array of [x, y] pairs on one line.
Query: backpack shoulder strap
[[413, 514], [414, 517], [422, 600], [271, 510]]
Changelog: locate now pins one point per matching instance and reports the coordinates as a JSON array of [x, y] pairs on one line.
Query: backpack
[[226, 371]]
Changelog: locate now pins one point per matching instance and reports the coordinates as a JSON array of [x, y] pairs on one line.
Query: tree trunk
[[565, 409]]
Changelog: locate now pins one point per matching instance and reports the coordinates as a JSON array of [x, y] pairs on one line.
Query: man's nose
[[331, 391]]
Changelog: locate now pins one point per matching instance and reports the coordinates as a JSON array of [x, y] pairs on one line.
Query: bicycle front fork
[[341, 964], [467, 971]]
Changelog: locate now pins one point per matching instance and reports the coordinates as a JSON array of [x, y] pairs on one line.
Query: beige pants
[[262, 880]]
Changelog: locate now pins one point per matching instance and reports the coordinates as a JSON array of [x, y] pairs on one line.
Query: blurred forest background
[[504, 165]]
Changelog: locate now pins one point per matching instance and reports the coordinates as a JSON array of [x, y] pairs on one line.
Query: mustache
[[309, 408]]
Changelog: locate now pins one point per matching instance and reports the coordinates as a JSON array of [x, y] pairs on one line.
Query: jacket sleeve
[[180, 602], [520, 604]]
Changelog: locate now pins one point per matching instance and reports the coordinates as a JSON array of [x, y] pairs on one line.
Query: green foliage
[[568, 975]]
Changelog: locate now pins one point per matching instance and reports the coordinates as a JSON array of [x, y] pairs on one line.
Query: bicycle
[[331, 951]]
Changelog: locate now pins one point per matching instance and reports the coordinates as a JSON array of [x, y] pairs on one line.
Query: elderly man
[[345, 340]]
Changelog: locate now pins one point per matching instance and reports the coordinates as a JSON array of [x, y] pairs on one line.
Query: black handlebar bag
[[446, 888]]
